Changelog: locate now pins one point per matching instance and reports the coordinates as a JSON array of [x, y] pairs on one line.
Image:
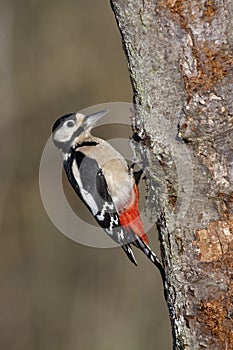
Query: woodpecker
[[101, 177]]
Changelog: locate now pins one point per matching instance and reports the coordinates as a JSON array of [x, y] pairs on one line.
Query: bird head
[[72, 127]]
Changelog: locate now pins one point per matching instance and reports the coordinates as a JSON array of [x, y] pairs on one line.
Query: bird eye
[[70, 124]]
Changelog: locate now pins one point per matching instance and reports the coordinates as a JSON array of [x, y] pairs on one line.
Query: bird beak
[[91, 119]]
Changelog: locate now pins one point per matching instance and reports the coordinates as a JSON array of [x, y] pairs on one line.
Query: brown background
[[57, 57]]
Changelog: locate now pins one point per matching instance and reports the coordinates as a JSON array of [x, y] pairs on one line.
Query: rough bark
[[180, 57]]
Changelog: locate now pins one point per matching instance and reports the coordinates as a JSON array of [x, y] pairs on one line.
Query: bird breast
[[120, 184], [115, 169]]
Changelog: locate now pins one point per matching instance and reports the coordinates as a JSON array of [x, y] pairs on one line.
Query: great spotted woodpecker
[[103, 180]]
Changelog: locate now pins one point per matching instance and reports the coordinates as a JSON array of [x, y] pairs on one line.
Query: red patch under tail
[[130, 218]]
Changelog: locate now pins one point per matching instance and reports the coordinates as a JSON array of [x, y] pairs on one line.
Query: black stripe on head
[[61, 120], [78, 132], [87, 143]]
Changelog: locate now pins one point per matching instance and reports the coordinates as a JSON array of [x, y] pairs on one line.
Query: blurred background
[[56, 57]]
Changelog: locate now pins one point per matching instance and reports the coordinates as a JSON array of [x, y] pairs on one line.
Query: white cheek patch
[[87, 196], [64, 134]]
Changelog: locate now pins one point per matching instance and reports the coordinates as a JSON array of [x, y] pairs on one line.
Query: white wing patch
[[110, 230], [113, 221], [103, 211], [121, 235], [87, 196]]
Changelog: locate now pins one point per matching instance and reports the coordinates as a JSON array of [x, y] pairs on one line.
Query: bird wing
[[88, 181]]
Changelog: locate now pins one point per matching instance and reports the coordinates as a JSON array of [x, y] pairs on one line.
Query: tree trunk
[[180, 60]]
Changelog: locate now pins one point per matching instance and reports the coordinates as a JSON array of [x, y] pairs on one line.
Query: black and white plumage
[[102, 179]]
